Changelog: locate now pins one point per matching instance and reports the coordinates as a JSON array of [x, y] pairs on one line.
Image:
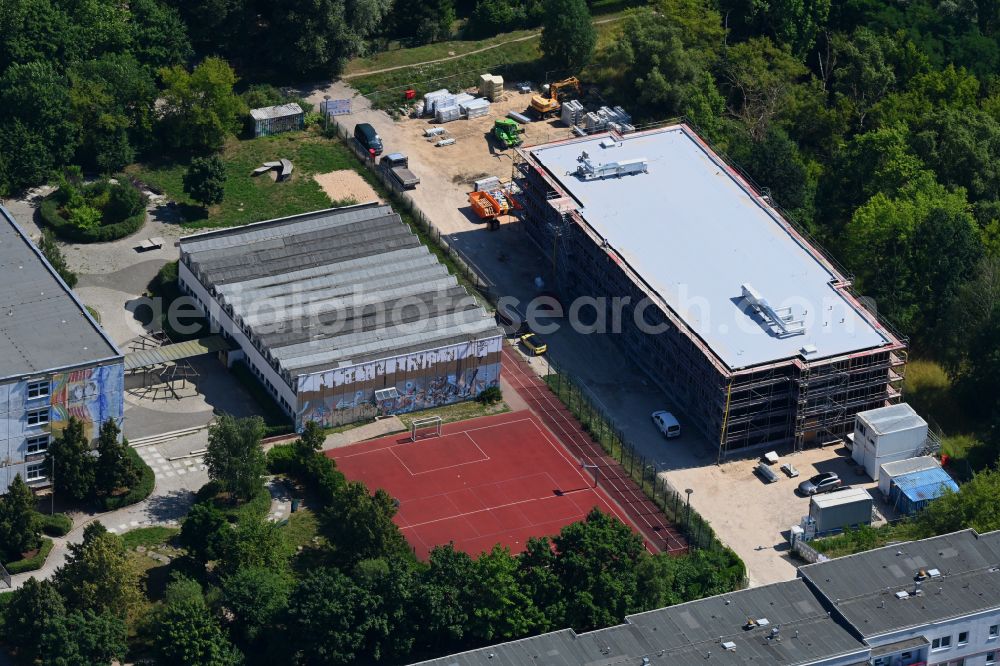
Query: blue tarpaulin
[[911, 492]]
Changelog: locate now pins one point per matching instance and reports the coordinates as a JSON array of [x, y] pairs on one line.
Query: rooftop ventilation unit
[[590, 171], [729, 645], [778, 320]]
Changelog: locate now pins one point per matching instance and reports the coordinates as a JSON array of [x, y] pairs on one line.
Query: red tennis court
[[497, 479]]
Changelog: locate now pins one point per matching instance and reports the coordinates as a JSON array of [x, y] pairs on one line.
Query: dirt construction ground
[[346, 185], [753, 517]]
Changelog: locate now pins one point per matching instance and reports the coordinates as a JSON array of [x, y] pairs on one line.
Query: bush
[[139, 491], [56, 524], [490, 395], [122, 211], [259, 505], [31, 563], [281, 459]]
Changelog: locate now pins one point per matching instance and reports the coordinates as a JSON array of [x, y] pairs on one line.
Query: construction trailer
[[270, 120], [897, 468], [342, 314], [887, 434], [911, 492], [731, 309], [849, 507]]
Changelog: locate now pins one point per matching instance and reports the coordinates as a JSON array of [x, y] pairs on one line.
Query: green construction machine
[[507, 132]]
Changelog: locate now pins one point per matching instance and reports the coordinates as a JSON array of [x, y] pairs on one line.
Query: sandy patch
[[346, 185]]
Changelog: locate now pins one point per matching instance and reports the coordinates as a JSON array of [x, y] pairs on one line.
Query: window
[[991, 658], [38, 417], [38, 389], [34, 472], [994, 631], [963, 638], [942, 643], [37, 444]]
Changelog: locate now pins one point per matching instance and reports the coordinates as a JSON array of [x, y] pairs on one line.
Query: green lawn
[[460, 411], [254, 198], [301, 528], [149, 536]]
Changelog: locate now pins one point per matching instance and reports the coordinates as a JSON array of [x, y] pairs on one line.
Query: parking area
[[753, 517]]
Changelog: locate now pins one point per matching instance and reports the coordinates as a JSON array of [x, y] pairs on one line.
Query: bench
[[154, 243], [766, 472]]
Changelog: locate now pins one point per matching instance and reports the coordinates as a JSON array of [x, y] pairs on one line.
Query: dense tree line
[[876, 125]]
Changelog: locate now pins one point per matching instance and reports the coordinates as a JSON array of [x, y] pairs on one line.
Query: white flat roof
[[695, 234]]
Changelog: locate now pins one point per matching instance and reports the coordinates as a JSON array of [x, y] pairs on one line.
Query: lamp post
[[688, 521], [326, 112]]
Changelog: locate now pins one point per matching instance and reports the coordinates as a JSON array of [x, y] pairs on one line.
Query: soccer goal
[[424, 428]]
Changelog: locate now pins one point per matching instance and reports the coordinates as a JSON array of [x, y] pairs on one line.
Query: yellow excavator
[[544, 106]]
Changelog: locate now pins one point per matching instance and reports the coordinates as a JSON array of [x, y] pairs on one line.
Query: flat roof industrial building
[[754, 331], [330, 307], [55, 361], [916, 602]]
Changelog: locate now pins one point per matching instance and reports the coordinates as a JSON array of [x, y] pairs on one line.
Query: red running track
[[614, 480], [497, 479]]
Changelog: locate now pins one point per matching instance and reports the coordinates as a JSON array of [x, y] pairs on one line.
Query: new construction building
[[55, 361], [342, 314], [934, 601], [735, 314]]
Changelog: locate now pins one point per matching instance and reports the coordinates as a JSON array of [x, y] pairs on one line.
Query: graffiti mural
[[422, 380], [92, 395]]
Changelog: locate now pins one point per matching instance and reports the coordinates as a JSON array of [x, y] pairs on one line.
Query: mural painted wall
[[422, 379], [92, 395]]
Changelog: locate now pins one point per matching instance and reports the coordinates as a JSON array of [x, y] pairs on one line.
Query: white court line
[[438, 469]]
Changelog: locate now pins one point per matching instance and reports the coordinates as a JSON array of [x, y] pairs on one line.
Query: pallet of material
[[447, 114], [476, 108], [491, 86], [571, 113]]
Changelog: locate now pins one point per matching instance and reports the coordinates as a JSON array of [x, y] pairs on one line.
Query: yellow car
[[534, 344]]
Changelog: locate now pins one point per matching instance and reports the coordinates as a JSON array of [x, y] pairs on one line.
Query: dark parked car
[[369, 139], [821, 483]]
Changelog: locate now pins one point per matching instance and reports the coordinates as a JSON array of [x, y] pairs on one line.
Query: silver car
[[821, 483], [667, 424]]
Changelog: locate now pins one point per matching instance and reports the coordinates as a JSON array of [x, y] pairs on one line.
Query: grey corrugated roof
[[892, 418], [863, 587], [695, 233], [686, 633], [42, 324], [279, 111], [307, 287]]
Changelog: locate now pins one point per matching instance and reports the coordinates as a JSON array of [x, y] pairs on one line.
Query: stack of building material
[[491, 87], [446, 114], [433, 100], [476, 108], [572, 111], [462, 98], [486, 184], [607, 118]]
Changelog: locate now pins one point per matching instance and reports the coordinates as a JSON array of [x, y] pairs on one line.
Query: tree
[[84, 639], [974, 505], [359, 525], [186, 633], [794, 23], [205, 533], [29, 611], [74, 466], [568, 36], [443, 599], [596, 563], [256, 597], [423, 22], [115, 470], [99, 576], [200, 108], [325, 616], [234, 457], [390, 624], [760, 78], [20, 530], [53, 254], [159, 36], [499, 609], [256, 542], [205, 180], [862, 73]]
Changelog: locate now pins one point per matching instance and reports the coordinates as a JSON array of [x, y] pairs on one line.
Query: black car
[[369, 139]]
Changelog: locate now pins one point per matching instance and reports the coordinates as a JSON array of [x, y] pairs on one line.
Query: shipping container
[[843, 508]]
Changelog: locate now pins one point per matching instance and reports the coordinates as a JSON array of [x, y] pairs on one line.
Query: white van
[[667, 424]]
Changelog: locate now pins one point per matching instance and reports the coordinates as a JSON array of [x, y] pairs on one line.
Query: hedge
[[56, 524], [259, 505], [139, 491], [31, 563], [49, 211]]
